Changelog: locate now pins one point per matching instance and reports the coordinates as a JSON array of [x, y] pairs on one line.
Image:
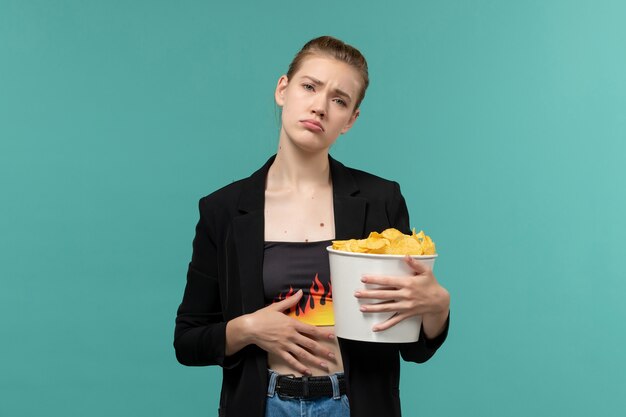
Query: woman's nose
[[319, 106], [320, 112]]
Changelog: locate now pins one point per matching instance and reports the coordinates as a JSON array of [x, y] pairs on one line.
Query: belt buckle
[[279, 387]]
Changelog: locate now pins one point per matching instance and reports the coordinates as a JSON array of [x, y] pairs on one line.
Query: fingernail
[[331, 336], [331, 355], [323, 365], [375, 329], [363, 308], [357, 294], [363, 279]]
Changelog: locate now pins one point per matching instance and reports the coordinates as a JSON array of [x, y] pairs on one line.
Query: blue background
[[502, 120]]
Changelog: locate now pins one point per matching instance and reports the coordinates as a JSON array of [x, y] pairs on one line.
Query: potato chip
[[390, 241], [392, 234]]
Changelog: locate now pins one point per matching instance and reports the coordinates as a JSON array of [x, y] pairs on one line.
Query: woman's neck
[[296, 169]]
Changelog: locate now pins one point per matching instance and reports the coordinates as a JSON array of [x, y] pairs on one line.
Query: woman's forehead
[[330, 71]]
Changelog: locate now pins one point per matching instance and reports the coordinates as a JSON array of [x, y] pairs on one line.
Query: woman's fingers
[[383, 307], [383, 280], [416, 265], [303, 355], [406, 296], [302, 338], [298, 358], [295, 363], [287, 303], [379, 294], [393, 320], [317, 332], [294, 341]]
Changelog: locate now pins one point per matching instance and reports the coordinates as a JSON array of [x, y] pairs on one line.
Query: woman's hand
[[406, 296], [273, 331]]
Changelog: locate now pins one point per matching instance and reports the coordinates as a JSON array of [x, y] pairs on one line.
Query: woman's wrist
[[433, 324], [238, 334]]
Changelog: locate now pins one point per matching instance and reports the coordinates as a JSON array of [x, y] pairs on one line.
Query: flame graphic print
[[316, 305]]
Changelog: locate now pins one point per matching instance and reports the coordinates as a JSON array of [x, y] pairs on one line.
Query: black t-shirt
[[291, 266]]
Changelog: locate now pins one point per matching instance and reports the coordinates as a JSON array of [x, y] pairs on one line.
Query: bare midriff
[[278, 364]]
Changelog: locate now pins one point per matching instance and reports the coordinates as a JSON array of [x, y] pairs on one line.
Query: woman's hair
[[337, 49]]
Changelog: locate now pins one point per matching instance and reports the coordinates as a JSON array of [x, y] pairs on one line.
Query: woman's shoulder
[[224, 199], [246, 193], [225, 194], [365, 181], [368, 177]]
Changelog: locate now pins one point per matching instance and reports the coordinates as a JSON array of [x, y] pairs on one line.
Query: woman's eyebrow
[[336, 90]]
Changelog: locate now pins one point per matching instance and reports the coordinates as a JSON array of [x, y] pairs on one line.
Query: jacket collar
[[253, 193]]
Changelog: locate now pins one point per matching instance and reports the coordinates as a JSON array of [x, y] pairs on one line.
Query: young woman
[[259, 263]]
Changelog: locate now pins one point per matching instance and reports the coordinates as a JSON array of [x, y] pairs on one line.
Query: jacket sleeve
[[200, 333], [424, 348]]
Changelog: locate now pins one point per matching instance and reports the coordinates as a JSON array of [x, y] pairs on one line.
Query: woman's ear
[[281, 86]]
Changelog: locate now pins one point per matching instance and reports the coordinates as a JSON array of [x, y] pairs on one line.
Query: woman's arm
[[200, 333]]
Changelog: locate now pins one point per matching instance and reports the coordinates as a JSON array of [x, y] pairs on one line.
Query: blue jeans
[[277, 406]]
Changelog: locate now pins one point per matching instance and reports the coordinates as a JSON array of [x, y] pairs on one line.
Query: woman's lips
[[313, 125]]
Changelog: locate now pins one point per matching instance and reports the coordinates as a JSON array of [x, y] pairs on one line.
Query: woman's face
[[318, 102]]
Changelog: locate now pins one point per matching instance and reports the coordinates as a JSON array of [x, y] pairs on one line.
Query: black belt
[[308, 387]]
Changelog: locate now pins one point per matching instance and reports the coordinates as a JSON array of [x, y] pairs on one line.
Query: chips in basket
[[390, 242]]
